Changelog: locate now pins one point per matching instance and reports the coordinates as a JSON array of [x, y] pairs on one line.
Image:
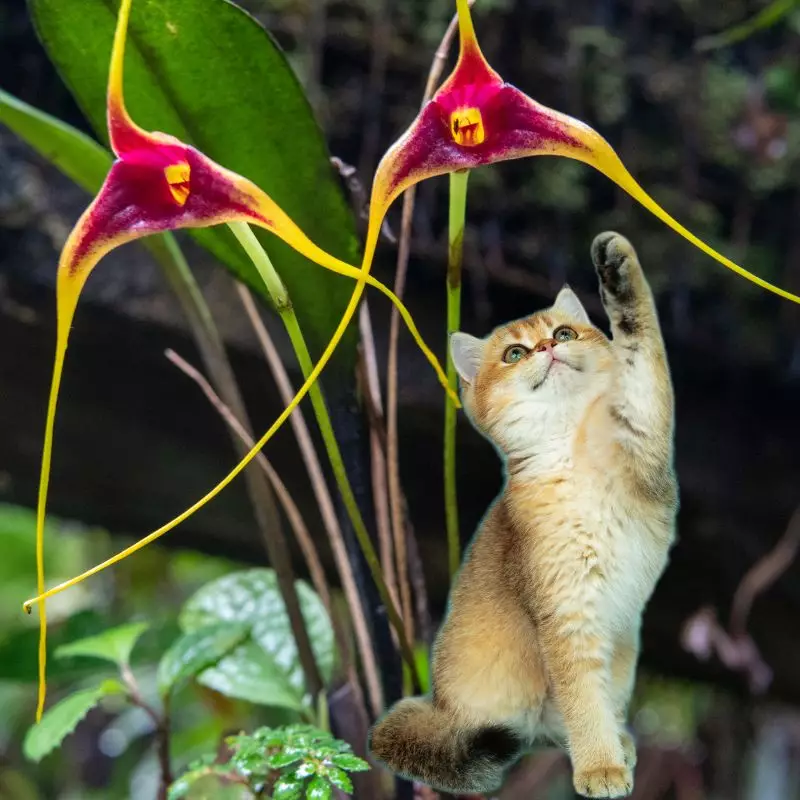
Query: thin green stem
[[458, 205], [284, 307]]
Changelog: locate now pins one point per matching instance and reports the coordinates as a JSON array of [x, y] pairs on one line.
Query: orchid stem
[[285, 309], [455, 252]]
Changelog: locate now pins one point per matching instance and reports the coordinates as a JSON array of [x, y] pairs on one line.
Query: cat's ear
[[568, 303], [467, 352]]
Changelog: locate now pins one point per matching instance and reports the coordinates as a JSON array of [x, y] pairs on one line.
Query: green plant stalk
[[283, 306], [766, 18], [455, 252]]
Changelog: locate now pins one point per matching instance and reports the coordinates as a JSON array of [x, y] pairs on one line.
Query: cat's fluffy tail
[[426, 744]]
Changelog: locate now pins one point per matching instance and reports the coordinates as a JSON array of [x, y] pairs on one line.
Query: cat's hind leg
[[489, 686]]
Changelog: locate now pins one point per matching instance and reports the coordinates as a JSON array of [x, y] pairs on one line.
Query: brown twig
[[358, 196], [372, 393], [703, 635], [296, 521], [417, 577], [403, 252], [268, 520], [325, 503], [381, 47], [763, 574], [160, 728]]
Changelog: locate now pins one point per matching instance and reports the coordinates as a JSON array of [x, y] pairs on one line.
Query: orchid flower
[[476, 118], [158, 183]]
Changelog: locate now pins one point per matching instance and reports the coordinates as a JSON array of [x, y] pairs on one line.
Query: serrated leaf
[[339, 779], [279, 760], [208, 73], [350, 762], [181, 787], [195, 651], [266, 669], [114, 644], [60, 720], [304, 770], [287, 789], [319, 789]]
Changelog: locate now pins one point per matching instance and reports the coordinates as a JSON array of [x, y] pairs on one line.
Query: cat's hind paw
[[612, 781]]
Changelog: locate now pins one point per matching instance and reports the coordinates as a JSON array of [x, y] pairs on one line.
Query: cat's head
[[535, 375]]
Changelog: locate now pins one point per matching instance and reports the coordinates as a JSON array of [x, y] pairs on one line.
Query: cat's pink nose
[[545, 344]]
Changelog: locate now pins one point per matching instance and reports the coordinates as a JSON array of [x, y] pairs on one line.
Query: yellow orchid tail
[[610, 164], [282, 225], [41, 504], [349, 313], [598, 153], [68, 289]]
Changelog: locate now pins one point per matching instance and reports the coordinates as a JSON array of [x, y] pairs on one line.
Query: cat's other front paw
[[609, 781], [612, 254]]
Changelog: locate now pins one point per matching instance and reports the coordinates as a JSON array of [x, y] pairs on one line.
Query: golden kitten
[[542, 632]]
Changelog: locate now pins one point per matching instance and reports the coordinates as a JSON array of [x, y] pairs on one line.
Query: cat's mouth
[[556, 364]]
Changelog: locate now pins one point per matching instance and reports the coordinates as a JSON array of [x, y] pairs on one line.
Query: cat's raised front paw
[[610, 254], [614, 781]]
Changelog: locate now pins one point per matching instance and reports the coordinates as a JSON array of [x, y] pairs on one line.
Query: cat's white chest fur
[[629, 559], [610, 558]]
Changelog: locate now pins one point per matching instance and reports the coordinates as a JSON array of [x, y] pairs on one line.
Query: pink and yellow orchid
[[476, 118], [158, 183]]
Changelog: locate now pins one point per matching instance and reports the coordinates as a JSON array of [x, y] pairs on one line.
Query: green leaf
[[266, 669], [287, 789], [80, 158], [304, 770], [60, 720], [319, 789], [339, 779], [280, 760], [193, 652], [208, 73], [350, 762], [114, 644]]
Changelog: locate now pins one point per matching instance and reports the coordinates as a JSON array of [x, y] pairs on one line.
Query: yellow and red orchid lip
[[476, 118]]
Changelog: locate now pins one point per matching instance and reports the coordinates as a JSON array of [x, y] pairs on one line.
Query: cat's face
[[533, 377]]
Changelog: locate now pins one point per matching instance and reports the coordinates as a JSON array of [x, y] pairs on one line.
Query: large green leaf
[[115, 644], [193, 652], [208, 73], [265, 670], [60, 720]]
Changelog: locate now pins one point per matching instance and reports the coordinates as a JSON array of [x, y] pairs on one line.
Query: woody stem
[[283, 305], [458, 204]]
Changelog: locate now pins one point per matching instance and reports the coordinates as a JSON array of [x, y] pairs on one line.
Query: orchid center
[[466, 125], [177, 176]]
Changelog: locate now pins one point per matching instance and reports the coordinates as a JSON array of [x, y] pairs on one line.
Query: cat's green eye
[[564, 334], [515, 353]]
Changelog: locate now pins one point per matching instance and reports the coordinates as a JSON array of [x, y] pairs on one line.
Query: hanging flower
[[476, 118]]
